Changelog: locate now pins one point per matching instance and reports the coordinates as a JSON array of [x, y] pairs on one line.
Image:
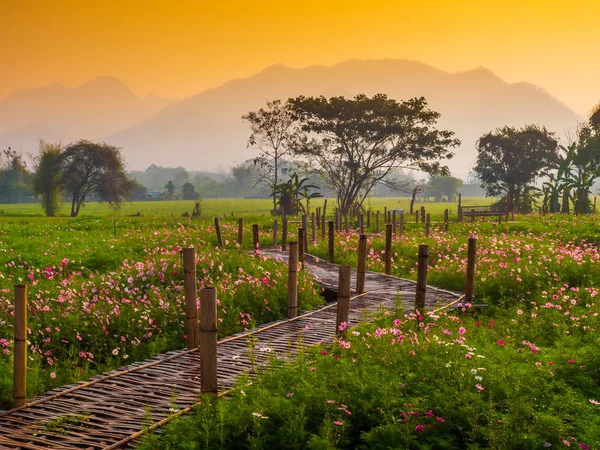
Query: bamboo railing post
[[323, 219], [369, 219], [241, 232], [331, 243], [275, 226], [427, 224], [394, 225], [460, 211], [362, 264], [313, 227], [361, 223], [318, 216], [20, 346], [422, 277], [422, 214], [255, 238], [208, 340], [377, 225], [401, 224], [446, 221], [218, 231], [191, 296], [305, 228], [472, 215], [385, 213], [284, 233], [471, 259], [343, 299], [293, 280], [388, 248], [389, 217], [301, 236]]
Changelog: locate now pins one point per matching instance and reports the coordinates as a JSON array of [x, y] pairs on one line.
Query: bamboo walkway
[[112, 410]]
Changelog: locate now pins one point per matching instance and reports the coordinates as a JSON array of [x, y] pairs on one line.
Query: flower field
[[97, 302], [525, 373]]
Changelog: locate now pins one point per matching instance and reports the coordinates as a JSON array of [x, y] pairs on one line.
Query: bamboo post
[[460, 212], [241, 232], [208, 340], [427, 224], [361, 223], [369, 218], [446, 221], [284, 233], [275, 226], [500, 219], [422, 214], [416, 216], [343, 299], [313, 225], [325, 208], [394, 227], [218, 231], [389, 217], [377, 225], [471, 259], [191, 296], [388, 248], [305, 228], [318, 215], [512, 216], [384, 213], [255, 237], [401, 224], [422, 277], [362, 264], [293, 280], [331, 242], [20, 346], [472, 215], [323, 220], [301, 236]]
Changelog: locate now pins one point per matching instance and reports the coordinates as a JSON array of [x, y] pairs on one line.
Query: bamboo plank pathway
[[107, 411]]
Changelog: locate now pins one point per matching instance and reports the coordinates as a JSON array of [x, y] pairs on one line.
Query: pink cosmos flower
[[339, 423], [420, 428], [479, 387], [500, 342]]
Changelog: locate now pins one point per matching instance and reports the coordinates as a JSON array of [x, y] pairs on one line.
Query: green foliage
[[292, 192], [47, 180]]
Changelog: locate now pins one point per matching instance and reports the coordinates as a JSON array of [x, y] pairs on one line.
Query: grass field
[[226, 206]]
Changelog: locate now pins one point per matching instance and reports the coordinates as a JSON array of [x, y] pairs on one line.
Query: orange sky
[[178, 48]]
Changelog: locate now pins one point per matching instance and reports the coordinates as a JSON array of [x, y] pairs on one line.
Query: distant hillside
[[206, 131], [55, 112]]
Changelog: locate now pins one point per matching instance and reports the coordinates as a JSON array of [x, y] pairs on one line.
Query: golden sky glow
[[178, 48]]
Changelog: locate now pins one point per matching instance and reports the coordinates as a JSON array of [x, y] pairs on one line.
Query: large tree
[[272, 129], [47, 180], [358, 142], [94, 168], [444, 186], [15, 179], [510, 159]]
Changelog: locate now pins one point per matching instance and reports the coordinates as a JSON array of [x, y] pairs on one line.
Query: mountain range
[[206, 131]]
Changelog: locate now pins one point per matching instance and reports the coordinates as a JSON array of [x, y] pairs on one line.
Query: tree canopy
[[47, 180], [92, 168], [510, 159], [357, 142]]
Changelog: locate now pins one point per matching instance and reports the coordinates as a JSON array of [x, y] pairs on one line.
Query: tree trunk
[[412, 200]]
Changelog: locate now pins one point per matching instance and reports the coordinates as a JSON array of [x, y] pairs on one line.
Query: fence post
[[377, 226], [460, 212], [293, 280], [343, 299], [305, 228], [388, 248], [20, 346], [191, 296], [384, 213], [416, 216], [369, 218], [427, 224], [241, 232], [471, 258], [362, 264], [500, 218], [472, 215], [218, 231], [401, 224], [255, 238], [422, 277], [313, 227], [389, 217], [318, 216], [331, 243], [394, 227], [323, 220], [284, 233], [275, 226], [446, 221], [208, 340], [422, 214], [301, 236]]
